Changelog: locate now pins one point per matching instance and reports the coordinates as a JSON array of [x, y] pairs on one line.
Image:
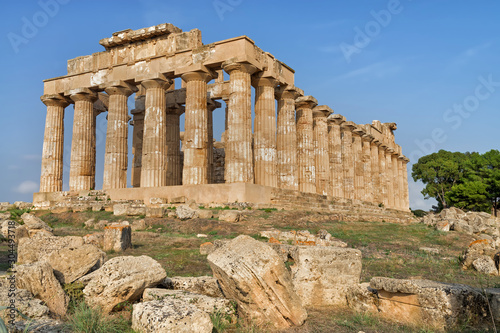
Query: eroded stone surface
[[205, 285], [253, 275], [41, 245], [121, 279]]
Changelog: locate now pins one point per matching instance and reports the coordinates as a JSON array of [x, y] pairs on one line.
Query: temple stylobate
[[297, 148]]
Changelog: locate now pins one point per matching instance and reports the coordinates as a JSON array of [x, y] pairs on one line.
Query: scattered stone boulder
[[138, 225], [101, 224], [480, 248], [209, 247], [170, 315], [4, 216], [212, 305], [204, 285], [5, 225], [439, 305], [323, 275], [303, 237], [22, 205], [184, 212], [31, 222], [253, 275], [90, 223], [121, 279], [205, 213], [230, 215], [41, 245], [466, 222], [96, 239], [70, 264], [117, 237], [39, 279], [24, 300], [486, 265]]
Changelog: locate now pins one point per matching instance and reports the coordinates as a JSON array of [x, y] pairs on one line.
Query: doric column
[[321, 158], [137, 137], [53, 144], [116, 152], [212, 106], [195, 169], [81, 175], [154, 157], [264, 148], [367, 167], [173, 143], [395, 180], [359, 172], [239, 155], [406, 194], [389, 172], [286, 140], [402, 199], [335, 154], [384, 199], [305, 143], [348, 158], [375, 168]]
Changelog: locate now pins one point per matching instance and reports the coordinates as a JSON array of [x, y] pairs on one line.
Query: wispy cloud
[[27, 186], [464, 57], [376, 70]]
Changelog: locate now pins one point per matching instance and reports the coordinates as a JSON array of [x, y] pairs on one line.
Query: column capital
[[322, 111], [259, 81], [359, 131], [336, 119], [406, 159], [199, 76], [55, 100], [391, 126], [118, 88], [306, 102], [389, 150], [288, 92], [368, 137], [230, 66], [348, 126], [175, 109], [82, 94], [164, 83]]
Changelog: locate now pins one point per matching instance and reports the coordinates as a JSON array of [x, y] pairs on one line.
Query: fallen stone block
[[230, 215], [253, 275], [33, 222], [39, 279], [170, 315], [205, 285], [184, 212], [121, 279], [41, 245], [117, 237]]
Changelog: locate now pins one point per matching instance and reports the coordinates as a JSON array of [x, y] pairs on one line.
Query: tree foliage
[[469, 181]]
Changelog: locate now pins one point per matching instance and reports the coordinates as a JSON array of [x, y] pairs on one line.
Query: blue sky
[[432, 67]]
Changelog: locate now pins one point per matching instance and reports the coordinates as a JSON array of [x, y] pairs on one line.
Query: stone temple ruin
[[300, 154]]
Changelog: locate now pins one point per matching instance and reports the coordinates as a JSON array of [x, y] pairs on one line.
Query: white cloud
[[27, 186], [417, 200], [464, 57], [378, 70]]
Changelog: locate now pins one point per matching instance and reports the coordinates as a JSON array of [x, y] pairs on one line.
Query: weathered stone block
[[117, 237], [205, 285]]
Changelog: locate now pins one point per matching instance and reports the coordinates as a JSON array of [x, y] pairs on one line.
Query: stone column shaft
[[154, 157], [395, 181], [212, 106], [401, 191], [196, 129], [137, 138], [335, 154], [321, 157], [384, 199], [389, 174], [367, 168], [51, 179], [359, 172], [239, 154], [173, 144], [265, 132], [375, 165], [116, 153], [405, 184], [305, 143], [348, 159], [286, 141], [82, 175]]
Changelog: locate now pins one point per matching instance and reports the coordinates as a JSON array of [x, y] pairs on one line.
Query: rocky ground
[[411, 251]]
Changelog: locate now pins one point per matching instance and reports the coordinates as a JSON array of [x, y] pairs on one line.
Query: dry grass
[[390, 250]]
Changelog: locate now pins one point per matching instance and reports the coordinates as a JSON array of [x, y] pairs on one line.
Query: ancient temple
[[298, 152]]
